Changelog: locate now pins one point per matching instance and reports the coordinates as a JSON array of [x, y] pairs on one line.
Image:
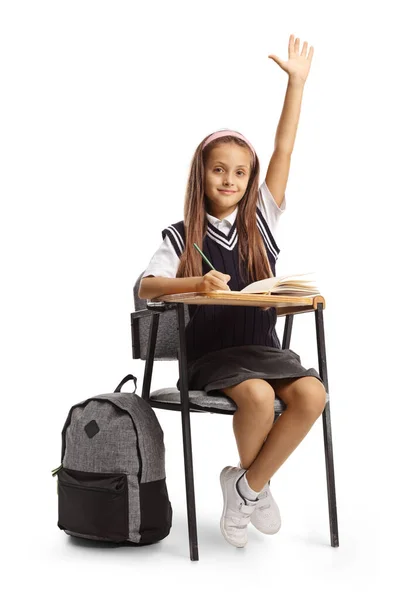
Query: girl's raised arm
[[297, 67]]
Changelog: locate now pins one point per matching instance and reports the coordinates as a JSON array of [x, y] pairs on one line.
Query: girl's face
[[227, 168]]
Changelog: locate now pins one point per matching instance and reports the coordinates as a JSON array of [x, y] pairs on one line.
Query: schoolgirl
[[235, 349]]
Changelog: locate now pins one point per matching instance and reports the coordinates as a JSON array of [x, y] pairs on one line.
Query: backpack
[[111, 483]]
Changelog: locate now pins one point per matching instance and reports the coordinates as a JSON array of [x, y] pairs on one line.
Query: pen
[[205, 257]]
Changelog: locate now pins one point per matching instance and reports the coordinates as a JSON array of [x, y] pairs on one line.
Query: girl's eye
[[221, 168]]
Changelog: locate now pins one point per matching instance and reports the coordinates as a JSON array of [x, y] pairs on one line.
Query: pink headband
[[223, 132]]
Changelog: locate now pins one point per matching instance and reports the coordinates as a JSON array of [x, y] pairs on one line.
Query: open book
[[287, 285]]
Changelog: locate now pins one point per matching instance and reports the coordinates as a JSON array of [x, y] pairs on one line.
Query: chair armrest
[[152, 307], [160, 306]]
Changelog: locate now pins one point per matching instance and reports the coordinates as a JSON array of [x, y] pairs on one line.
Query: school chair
[[158, 333]]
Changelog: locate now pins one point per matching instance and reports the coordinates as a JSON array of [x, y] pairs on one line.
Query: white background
[[102, 107]]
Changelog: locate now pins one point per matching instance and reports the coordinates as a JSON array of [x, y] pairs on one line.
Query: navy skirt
[[230, 366]]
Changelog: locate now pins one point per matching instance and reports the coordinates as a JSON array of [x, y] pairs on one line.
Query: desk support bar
[[326, 421]]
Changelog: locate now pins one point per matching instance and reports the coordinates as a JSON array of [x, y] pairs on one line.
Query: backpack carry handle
[[125, 379]]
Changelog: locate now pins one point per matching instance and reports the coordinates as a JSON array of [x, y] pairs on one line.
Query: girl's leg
[[305, 399], [253, 418]]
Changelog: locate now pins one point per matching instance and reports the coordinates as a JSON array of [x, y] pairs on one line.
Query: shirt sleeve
[[269, 208], [164, 262]]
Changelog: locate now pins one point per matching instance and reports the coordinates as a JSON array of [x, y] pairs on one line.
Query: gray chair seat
[[205, 401], [211, 401]]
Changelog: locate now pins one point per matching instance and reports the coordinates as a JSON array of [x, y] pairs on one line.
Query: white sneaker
[[266, 516], [237, 510]]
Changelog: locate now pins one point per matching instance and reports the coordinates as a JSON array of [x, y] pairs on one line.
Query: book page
[[266, 285]]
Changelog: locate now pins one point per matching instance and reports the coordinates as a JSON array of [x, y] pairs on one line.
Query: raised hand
[[298, 65]]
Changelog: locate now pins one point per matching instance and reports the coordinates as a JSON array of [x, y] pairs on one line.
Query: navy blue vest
[[213, 327]]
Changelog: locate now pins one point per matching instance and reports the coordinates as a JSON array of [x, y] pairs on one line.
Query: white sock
[[246, 490], [251, 490]]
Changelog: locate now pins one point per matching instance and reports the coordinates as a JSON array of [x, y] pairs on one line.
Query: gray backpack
[[111, 481]]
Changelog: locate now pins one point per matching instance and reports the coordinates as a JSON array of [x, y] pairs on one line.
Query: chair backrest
[[167, 336]]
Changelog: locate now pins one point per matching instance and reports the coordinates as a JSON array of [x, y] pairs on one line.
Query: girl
[[235, 349]]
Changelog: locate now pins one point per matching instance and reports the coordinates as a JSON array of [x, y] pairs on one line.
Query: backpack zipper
[[55, 471]]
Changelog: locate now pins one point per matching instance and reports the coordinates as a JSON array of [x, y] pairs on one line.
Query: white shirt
[[165, 261]]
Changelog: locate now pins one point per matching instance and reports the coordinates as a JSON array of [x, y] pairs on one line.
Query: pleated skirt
[[230, 366]]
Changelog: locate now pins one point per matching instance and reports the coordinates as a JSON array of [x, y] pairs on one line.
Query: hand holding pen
[[213, 280]]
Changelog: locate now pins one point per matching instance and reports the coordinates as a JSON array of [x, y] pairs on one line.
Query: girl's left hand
[[298, 65]]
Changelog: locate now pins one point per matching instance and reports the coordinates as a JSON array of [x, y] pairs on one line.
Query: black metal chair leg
[[326, 420], [187, 441]]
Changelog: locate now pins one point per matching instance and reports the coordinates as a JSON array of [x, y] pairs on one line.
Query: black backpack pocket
[[93, 504]]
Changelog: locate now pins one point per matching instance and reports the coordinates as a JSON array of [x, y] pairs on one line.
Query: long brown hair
[[253, 259]]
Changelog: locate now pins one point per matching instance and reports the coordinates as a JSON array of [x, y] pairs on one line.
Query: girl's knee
[[312, 397], [255, 395]]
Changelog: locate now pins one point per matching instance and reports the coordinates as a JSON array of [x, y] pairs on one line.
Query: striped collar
[[226, 222]]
